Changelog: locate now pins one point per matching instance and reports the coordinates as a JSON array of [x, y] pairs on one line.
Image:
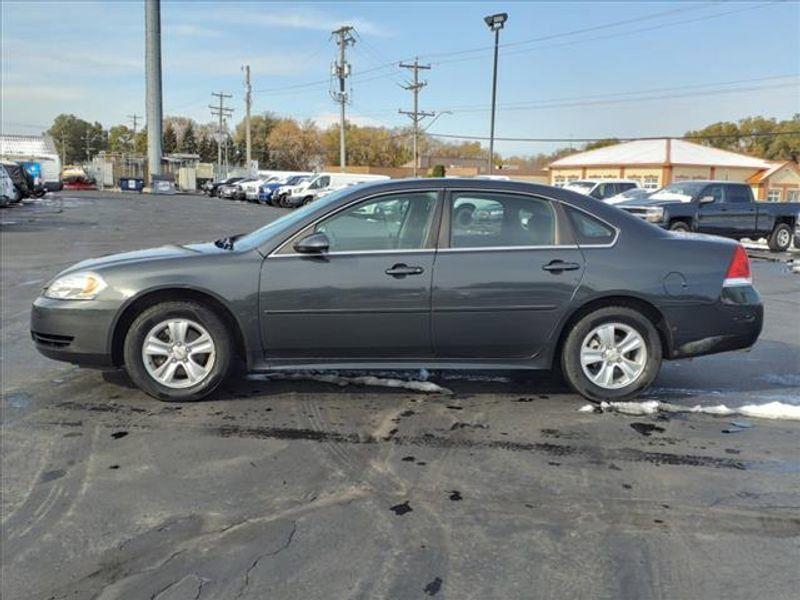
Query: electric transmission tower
[[416, 115], [341, 71]]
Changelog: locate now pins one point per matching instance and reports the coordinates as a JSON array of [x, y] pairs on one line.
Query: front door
[[368, 296], [504, 278], [715, 217]]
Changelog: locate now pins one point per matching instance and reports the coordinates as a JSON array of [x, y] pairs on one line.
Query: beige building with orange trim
[[658, 162]]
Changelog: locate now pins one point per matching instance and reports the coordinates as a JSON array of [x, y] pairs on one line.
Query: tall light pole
[[152, 22], [495, 23]]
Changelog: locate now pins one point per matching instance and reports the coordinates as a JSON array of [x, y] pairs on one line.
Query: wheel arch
[[648, 309], [151, 297]]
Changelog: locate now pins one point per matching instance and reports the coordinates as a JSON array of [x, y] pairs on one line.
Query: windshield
[[682, 191], [580, 185], [294, 180], [259, 236]]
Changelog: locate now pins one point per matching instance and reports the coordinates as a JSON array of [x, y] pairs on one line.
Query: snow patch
[[427, 387], [768, 410]]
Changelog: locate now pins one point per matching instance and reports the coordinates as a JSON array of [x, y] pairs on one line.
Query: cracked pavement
[[305, 489]]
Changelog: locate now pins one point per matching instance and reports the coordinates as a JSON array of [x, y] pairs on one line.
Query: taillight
[[739, 269]]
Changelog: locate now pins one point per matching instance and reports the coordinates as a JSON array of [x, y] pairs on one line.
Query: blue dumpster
[[131, 184]]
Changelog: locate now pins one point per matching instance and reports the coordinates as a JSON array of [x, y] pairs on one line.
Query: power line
[[620, 139], [684, 9], [613, 35]]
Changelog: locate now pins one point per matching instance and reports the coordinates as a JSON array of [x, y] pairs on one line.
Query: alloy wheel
[[613, 355], [178, 353]]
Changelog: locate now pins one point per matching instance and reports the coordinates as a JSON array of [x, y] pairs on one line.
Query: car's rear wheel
[[613, 353], [679, 226], [781, 238], [178, 351]]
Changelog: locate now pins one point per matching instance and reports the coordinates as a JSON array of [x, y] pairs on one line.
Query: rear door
[[741, 210], [505, 273]]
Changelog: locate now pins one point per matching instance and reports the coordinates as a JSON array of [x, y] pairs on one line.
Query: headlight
[[654, 214], [76, 286]]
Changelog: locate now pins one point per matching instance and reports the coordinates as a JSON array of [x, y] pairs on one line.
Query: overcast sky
[[567, 70]]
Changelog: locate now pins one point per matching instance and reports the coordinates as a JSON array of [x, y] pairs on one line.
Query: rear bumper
[[75, 331], [732, 323]]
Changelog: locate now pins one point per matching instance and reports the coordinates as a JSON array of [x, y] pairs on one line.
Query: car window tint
[[483, 220], [588, 229], [396, 222], [626, 186], [716, 192], [736, 194]]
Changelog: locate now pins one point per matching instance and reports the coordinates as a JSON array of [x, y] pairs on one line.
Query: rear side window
[[493, 220], [626, 186], [588, 229], [737, 194]]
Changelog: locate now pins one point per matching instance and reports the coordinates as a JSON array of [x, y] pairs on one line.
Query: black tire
[[194, 311], [571, 353], [680, 227], [780, 240]]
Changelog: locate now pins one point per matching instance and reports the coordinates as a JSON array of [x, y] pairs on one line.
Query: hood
[[645, 202], [147, 255]]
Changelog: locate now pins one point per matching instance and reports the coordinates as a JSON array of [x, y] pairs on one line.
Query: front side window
[[715, 191], [399, 221], [491, 220]]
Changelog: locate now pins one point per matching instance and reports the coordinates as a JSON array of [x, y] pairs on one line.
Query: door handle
[[557, 266], [401, 270]]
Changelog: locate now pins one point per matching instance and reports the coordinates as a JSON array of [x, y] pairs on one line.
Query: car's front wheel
[[178, 351], [613, 353]]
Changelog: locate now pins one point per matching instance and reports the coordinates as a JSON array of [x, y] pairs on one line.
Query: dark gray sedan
[[436, 273]]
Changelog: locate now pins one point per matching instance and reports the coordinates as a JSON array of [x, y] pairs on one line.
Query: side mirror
[[316, 243], [707, 200]]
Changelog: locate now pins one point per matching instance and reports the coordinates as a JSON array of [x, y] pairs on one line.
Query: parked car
[[720, 208], [8, 191], [307, 190], [384, 276], [268, 191], [635, 193], [233, 191], [601, 188], [212, 188], [252, 188], [21, 179]]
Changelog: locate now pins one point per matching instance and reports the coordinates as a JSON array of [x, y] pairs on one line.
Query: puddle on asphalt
[[401, 509]]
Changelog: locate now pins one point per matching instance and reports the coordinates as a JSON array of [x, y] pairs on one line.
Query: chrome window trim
[[510, 248], [438, 191], [357, 253], [274, 253], [540, 197]]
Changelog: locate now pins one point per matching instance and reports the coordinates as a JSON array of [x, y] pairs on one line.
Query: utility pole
[[248, 100], [221, 112], [416, 114], [152, 24], [88, 138], [135, 121], [341, 70]]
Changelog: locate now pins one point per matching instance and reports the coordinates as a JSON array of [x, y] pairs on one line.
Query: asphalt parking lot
[[304, 489]]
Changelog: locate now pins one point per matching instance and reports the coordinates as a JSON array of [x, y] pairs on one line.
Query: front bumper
[[732, 323], [76, 331]]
